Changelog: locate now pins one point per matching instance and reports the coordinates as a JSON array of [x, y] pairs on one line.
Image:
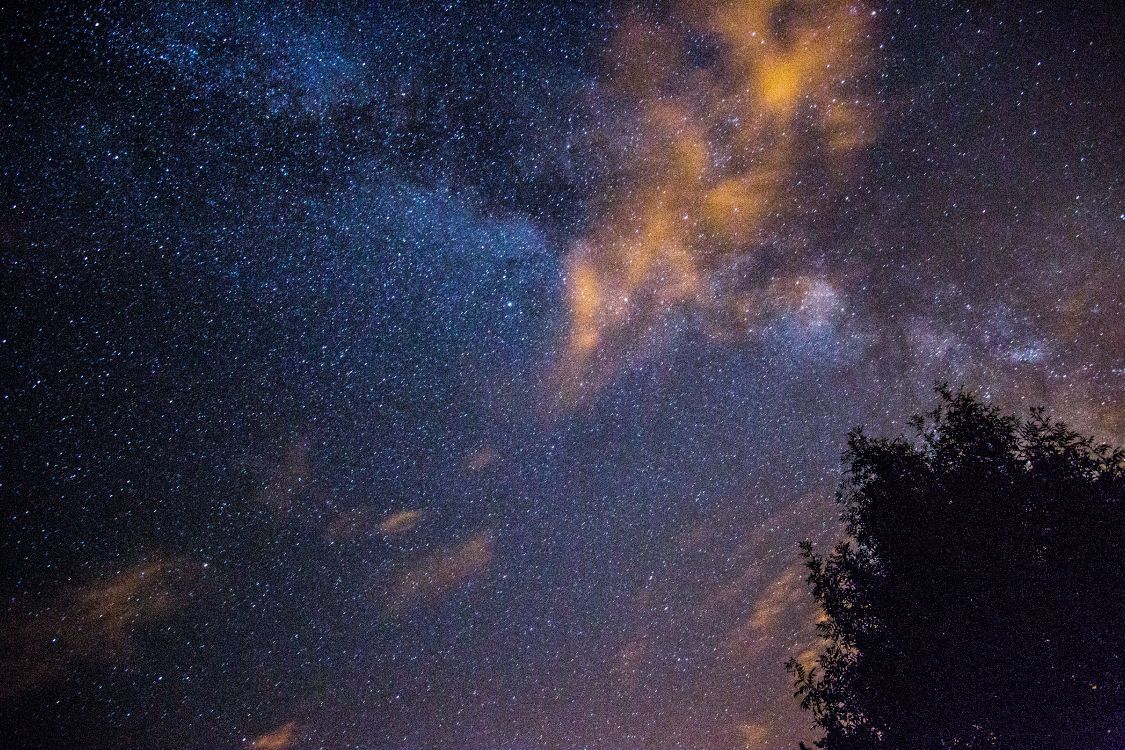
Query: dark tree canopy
[[979, 600]]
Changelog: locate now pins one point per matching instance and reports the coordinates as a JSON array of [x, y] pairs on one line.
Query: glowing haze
[[730, 117]]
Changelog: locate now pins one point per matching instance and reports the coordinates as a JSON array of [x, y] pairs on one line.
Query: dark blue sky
[[309, 442]]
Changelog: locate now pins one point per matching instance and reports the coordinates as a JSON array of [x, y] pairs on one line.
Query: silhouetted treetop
[[979, 599]]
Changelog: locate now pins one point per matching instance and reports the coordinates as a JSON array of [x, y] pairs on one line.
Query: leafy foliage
[[979, 599]]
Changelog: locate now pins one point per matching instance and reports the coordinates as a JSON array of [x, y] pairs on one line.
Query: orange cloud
[[482, 458], [784, 600], [711, 163], [754, 735], [400, 522], [282, 738], [441, 572], [94, 623]]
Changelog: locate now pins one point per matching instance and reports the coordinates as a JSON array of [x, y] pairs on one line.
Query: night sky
[[463, 376]]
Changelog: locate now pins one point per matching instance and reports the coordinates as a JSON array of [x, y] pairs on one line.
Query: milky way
[[419, 376]]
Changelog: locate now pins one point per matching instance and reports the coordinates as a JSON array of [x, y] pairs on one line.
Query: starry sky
[[462, 376]]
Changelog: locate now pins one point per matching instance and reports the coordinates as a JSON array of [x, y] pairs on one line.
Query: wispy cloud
[[283, 737], [400, 522], [741, 118], [92, 623], [441, 572]]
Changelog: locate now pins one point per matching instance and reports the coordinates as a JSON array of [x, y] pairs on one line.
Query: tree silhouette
[[979, 598]]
